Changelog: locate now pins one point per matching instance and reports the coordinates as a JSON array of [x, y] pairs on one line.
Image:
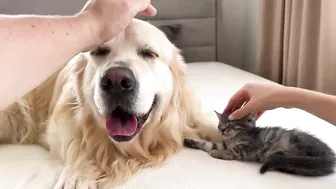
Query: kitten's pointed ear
[[219, 115], [254, 115]]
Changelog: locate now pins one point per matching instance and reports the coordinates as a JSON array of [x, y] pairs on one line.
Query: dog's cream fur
[[63, 114]]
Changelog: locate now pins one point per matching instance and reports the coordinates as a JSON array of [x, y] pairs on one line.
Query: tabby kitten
[[278, 149]]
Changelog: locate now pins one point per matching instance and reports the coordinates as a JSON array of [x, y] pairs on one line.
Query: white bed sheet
[[190, 169]]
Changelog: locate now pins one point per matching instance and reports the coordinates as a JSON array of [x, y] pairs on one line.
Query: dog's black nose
[[118, 79]]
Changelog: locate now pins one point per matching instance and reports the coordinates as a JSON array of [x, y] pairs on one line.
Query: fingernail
[[231, 117]]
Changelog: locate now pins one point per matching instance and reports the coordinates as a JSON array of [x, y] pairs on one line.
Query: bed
[[195, 27]]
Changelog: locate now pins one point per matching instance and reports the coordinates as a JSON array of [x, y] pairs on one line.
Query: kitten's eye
[[148, 53]]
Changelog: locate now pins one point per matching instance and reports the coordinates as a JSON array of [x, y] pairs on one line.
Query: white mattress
[[189, 169]]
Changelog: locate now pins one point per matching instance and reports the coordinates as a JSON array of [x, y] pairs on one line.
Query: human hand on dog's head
[[106, 18]]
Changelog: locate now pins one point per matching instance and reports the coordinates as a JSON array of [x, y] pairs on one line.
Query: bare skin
[[33, 47], [259, 97]]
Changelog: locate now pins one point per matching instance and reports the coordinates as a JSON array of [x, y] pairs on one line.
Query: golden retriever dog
[[112, 111]]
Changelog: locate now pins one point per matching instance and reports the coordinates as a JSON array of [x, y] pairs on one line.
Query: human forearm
[[39, 46], [260, 97], [34, 47], [319, 104]]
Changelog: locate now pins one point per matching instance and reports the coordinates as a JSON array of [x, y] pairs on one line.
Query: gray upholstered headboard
[[197, 37], [200, 37]]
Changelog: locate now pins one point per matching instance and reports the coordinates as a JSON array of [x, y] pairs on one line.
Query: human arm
[[259, 98], [33, 47]]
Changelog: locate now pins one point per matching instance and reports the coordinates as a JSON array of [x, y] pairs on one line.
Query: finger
[[237, 101], [240, 113], [150, 11], [238, 105], [237, 98], [235, 105]]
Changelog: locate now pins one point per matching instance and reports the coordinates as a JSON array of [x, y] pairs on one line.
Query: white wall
[[238, 38]]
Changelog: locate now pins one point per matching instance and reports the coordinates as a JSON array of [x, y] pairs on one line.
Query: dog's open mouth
[[122, 125]]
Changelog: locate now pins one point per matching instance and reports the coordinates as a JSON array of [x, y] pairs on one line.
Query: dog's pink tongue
[[121, 125]]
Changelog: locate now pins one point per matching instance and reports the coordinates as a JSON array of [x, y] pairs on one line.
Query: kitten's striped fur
[[279, 149]]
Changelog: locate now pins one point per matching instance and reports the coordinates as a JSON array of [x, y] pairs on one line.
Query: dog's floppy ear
[[72, 72], [171, 31]]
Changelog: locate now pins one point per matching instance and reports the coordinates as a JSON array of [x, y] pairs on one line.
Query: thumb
[[150, 11], [241, 112]]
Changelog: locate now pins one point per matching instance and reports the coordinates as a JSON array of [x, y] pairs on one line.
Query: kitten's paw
[[218, 154], [190, 143], [215, 154]]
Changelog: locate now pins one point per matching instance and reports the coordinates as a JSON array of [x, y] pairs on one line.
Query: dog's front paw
[[209, 133], [76, 183], [68, 180]]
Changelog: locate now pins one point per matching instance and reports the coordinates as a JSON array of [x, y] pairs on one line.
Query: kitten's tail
[[300, 165]]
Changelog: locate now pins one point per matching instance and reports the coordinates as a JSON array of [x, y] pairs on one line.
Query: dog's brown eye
[[147, 53]]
